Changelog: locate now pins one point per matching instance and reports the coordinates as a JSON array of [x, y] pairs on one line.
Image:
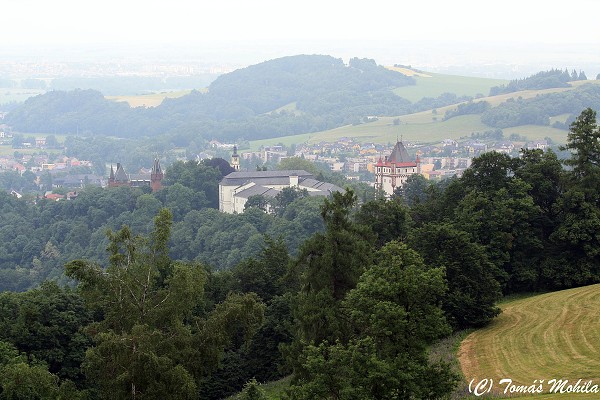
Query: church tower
[[235, 159], [111, 177], [156, 176]]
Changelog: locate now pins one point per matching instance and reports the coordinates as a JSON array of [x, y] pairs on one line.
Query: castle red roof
[[398, 158]]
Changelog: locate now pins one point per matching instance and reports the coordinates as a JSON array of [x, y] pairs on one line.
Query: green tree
[[328, 266], [414, 190], [505, 222], [46, 324], [150, 342], [258, 201], [21, 379], [264, 274], [285, 197], [252, 391], [396, 314], [388, 219], [199, 177], [584, 142], [472, 288]]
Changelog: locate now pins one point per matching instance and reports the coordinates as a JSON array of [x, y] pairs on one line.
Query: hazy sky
[[134, 21]]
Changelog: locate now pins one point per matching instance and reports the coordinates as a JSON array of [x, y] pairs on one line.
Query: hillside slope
[[549, 336], [430, 126]]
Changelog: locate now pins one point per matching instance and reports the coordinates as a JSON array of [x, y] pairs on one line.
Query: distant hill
[[319, 96], [326, 92]]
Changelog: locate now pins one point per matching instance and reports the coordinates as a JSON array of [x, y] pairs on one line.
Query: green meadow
[[433, 85]]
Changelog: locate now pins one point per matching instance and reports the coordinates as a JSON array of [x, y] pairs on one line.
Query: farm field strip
[[550, 336]]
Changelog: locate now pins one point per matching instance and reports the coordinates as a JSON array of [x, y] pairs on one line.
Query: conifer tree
[[150, 342]]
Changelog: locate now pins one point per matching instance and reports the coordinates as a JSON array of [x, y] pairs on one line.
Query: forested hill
[[286, 96], [273, 84], [314, 92]]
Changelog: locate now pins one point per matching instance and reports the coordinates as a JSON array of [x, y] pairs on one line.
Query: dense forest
[[554, 78], [346, 295]]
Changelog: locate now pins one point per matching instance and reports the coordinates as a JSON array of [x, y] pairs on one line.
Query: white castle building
[[237, 187]]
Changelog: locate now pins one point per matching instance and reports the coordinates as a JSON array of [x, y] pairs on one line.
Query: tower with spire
[[393, 171], [235, 159], [156, 176]]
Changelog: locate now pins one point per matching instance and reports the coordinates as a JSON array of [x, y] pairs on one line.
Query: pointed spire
[[112, 173], [156, 166]]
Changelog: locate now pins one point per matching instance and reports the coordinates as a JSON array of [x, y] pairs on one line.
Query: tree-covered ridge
[[555, 78], [538, 110], [272, 84]]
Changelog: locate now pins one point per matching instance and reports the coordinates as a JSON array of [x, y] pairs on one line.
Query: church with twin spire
[[154, 179]]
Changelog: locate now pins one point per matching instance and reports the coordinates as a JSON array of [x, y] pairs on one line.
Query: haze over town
[[508, 40]]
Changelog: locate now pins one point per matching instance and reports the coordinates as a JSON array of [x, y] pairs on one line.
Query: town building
[[235, 159], [153, 179], [236, 188], [392, 172]]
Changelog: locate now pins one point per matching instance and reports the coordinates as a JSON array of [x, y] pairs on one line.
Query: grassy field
[[286, 140], [148, 100], [433, 85], [549, 336], [412, 128]]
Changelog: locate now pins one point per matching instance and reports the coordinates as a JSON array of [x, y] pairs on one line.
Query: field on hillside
[[148, 100], [433, 85], [411, 128], [549, 336], [430, 127]]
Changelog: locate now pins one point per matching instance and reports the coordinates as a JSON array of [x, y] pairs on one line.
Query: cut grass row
[[549, 336]]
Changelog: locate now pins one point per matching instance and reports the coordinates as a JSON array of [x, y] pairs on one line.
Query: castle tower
[[392, 172], [235, 159], [156, 176]]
